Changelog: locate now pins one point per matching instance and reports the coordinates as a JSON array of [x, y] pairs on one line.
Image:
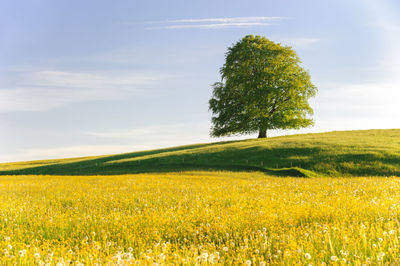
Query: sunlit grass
[[345, 153], [199, 217]]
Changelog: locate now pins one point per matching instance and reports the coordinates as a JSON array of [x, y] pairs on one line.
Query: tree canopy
[[262, 87]]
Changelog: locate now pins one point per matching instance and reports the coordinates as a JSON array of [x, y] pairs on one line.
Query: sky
[[82, 78]]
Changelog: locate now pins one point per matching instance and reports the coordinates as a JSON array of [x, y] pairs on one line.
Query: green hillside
[[343, 153]]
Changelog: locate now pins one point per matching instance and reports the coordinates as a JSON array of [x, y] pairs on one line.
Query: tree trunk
[[262, 133]]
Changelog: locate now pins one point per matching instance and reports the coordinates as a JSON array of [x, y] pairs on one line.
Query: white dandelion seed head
[[211, 258], [204, 255]]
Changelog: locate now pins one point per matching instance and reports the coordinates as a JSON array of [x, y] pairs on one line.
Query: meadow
[[331, 154], [293, 200], [198, 218]]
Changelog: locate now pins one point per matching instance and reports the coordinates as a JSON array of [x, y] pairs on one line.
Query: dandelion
[[248, 262], [117, 257], [204, 256], [334, 258], [211, 258], [225, 249], [21, 253], [36, 255], [262, 263], [307, 256], [60, 262]]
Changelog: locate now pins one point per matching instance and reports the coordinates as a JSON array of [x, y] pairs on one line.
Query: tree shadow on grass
[[271, 162], [282, 161]]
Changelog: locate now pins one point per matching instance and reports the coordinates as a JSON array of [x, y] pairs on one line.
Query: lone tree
[[262, 87]]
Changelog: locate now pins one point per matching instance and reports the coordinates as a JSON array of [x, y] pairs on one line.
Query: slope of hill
[[342, 153]]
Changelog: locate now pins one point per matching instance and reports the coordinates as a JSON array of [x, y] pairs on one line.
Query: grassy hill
[[344, 153]]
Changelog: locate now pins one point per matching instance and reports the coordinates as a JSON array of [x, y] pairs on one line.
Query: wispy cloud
[[44, 90], [213, 26], [172, 131], [226, 20], [214, 23]]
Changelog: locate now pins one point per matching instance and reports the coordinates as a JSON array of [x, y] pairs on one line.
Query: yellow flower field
[[198, 218]]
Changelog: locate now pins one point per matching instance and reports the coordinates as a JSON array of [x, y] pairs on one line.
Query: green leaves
[[263, 87]]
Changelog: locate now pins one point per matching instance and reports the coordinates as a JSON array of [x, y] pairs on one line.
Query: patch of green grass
[[343, 153]]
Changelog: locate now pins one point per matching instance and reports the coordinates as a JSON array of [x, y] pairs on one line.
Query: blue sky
[[100, 77]]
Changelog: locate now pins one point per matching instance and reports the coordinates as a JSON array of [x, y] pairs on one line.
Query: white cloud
[[40, 99], [89, 80], [226, 20], [358, 106], [176, 132], [215, 23], [44, 90], [213, 26]]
